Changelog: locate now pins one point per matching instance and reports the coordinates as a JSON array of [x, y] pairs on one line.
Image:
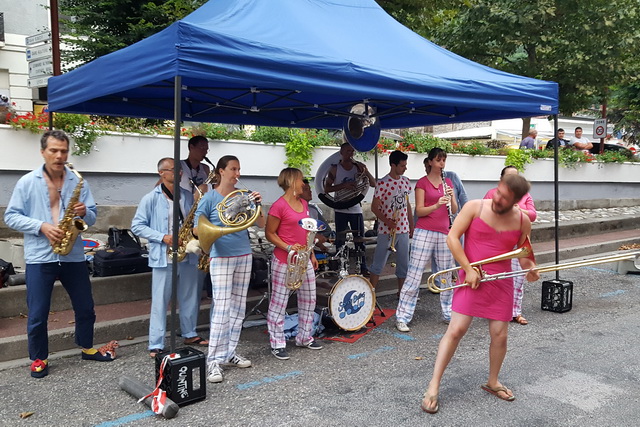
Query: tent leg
[[556, 202], [177, 117]]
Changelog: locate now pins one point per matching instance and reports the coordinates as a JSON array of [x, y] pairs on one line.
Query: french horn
[[237, 211]]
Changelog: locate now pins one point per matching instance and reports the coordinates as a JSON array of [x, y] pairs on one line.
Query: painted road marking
[[370, 353], [127, 419], [613, 294], [268, 380], [400, 335]]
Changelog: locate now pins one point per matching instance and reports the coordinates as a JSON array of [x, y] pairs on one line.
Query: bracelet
[[289, 248]]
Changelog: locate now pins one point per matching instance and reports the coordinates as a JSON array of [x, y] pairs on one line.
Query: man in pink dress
[[490, 228]]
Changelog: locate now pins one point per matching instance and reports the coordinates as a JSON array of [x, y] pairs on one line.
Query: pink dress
[[494, 299]]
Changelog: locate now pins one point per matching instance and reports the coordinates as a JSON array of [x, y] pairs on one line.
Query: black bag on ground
[[119, 261], [123, 238], [6, 270], [259, 272]]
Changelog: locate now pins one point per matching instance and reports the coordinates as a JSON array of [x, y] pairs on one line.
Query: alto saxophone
[[70, 224], [297, 261], [185, 234]]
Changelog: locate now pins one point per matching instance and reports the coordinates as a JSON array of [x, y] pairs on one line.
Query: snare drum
[[351, 302]]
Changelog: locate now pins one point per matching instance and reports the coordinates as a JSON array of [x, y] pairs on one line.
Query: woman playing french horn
[[230, 270], [284, 231], [433, 196]]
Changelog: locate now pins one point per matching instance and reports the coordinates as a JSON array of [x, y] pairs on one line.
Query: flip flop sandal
[[429, 410], [521, 320], [197, 341], [497, 390]]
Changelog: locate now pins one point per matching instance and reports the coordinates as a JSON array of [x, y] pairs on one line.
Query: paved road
[[578, 368]]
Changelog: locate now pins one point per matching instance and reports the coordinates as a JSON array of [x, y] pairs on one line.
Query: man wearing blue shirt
[[154, 221], [37, 206]]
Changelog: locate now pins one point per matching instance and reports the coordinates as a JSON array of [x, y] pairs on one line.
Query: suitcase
[[119, 261]]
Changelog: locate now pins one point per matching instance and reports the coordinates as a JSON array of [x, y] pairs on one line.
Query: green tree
[[624, 111], [584, 45], [93, 28]]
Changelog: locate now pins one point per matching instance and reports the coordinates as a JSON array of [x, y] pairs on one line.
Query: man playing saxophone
[[37, 207], [154, 221]]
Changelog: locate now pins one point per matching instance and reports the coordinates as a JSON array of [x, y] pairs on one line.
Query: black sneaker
[[280, 353], [313, 345]]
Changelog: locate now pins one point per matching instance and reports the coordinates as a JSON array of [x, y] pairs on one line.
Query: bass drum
[[351, 302]]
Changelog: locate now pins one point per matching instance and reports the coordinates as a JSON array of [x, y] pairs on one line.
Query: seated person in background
[[316, 213], [559, 139], [580, 142]]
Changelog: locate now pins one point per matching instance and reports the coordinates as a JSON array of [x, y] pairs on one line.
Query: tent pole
[[177, 118], [555, 192]]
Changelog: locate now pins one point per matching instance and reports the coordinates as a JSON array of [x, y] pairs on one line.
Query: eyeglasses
[[167, 170]]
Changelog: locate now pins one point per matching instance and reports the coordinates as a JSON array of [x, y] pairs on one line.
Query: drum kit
[[348, 299]]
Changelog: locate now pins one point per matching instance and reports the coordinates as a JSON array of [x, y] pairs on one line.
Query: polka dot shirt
[[393, 195]]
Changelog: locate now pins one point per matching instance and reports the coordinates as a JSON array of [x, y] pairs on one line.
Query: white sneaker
[[402, 327], [238, 361], [215, 374]]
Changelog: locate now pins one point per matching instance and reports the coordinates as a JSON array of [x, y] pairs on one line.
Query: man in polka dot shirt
[[392, 208]]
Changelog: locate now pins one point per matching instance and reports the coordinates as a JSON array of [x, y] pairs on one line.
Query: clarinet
[[445, 190]]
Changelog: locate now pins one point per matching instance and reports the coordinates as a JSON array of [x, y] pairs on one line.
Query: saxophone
[[70, 224], [185, 234], [297, 261]]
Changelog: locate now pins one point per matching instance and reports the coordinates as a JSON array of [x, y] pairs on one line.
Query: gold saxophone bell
[[525, 251]]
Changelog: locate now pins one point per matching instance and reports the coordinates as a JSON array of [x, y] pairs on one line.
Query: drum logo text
[[351, 303]]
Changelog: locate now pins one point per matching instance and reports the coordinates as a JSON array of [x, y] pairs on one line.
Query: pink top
[[289, 230], [525, 203], [437, 220], [494, 299]]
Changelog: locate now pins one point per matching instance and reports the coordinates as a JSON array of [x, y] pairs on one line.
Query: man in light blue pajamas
[[154, 221]]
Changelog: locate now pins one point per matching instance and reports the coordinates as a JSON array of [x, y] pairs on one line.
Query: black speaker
[[184, 377]]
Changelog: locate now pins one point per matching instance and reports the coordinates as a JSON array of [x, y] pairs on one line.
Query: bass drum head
[[352, 302]]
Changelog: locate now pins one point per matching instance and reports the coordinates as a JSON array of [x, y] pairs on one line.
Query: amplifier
[[184, 377]]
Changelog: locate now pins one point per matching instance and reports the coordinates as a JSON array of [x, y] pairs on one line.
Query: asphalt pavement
[[578, 368]]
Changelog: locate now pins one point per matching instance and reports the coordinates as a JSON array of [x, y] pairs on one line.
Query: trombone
[[525, 251]]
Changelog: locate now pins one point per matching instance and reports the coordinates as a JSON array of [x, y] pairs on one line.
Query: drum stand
[[266, 296]]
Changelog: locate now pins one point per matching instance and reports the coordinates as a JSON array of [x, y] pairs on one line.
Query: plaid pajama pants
[[278, 305], [518, 288], [425, 245], [230, 282]]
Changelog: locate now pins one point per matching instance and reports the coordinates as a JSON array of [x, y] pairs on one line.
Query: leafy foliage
[[625, 111], [584, 45], [94, 28]]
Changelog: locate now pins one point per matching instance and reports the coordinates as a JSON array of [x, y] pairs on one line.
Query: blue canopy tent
[[299, 63], [295, 63]]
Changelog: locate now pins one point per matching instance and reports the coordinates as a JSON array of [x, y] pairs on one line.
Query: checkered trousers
[[230, 282], [518, 288], [278, 305], [425, 245]]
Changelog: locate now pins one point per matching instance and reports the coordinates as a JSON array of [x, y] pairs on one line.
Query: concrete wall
[[121, 170]]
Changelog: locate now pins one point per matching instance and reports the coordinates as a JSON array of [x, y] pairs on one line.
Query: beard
[[500, 210]]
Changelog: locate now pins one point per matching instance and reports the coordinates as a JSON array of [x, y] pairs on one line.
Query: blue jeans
[[189, 291], [345, 221], [75, 279]]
